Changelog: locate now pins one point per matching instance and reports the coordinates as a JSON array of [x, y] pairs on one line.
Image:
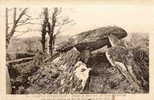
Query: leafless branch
[[21, 14], [15, 22]]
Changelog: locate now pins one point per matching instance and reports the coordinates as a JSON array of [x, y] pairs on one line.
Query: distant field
[[31, 43]]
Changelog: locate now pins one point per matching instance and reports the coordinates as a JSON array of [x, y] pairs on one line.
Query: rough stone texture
[[141, 67], [93, 39], [68, 74], [133, 64], [105, 78]]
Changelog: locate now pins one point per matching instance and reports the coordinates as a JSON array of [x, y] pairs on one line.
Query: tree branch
[[15, 23]]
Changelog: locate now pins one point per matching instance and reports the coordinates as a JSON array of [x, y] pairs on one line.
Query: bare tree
[[51, 28], [57, 21], [16, 22], [52, 24], [9, 35], [44, 28]]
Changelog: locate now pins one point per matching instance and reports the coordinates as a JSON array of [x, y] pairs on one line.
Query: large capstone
[[92, 40]]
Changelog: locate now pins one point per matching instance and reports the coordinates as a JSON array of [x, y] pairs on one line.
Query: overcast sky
[[131, 18]]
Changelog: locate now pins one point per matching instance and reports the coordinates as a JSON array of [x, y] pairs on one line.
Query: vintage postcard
[[76, 51]]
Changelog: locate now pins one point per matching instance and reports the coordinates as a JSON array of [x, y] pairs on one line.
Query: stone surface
[[92, 40], [133, 65], [66, 74]]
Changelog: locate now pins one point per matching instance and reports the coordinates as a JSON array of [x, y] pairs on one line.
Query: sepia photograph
[[78, 50]]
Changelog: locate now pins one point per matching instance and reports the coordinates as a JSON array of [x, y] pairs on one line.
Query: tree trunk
[[51, 28], [15, 22], [6, 26], [51, 31], [44, 26], [43, 37], [51, 45]]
